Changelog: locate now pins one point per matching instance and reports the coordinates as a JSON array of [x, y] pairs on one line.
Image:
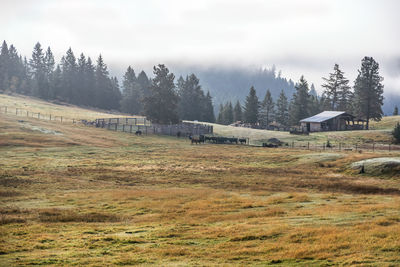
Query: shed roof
[[324, 116]]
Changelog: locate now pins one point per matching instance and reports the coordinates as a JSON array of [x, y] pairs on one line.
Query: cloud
[[299, 37]]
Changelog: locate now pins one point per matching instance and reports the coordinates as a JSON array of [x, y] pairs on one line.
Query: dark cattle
[[242, 140], [138, 132]]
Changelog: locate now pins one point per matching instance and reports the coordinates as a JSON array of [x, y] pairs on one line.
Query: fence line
[[132, 125], [333, 146], [36, 115]]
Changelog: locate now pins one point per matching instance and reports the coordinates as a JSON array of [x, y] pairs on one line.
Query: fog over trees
[[164, 99]]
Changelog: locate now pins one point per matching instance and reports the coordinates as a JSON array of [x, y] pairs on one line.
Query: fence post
[[61, 118], [292, 144], [16, 111], [308, 145]]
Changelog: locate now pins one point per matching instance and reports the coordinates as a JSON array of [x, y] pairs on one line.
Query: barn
[[331, 121]]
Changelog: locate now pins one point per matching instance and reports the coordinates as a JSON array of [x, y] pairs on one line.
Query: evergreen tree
[[114, 95], [38, 68], [313, 92], [162, 104], [237, 112], [228, 113], [84, 94], [396, 111], [251, 107], [368, 90], [4, 62], [282, 109], [337, 91], [192, 99], [208, 115], [220, 119], [132, 93], [144, 83], [267, 110], [90, 83], [300, 104], [55, 83], [70, 92], [396, 133]]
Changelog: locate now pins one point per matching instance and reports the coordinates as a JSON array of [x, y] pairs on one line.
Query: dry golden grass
[[93, 197]]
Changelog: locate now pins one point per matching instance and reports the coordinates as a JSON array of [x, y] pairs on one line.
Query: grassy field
[[76, 195], [45, 108]]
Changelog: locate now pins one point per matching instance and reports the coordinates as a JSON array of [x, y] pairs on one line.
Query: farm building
[[331, 121]]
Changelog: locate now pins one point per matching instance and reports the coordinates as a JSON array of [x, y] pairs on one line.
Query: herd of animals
[[198, 139]]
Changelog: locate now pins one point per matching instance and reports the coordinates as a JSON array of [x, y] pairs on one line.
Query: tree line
[[364, 100], [81, 82]]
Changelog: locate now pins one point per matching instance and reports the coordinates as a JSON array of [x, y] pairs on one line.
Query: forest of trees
[[81, 82], [364, 101]]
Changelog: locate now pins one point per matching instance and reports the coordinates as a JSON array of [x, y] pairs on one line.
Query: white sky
[[298, 36]]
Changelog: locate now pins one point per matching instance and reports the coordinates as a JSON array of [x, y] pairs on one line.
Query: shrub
[[396, 133]]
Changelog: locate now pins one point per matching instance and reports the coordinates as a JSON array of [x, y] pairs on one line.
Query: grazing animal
[[138, 132], [196, 139], [178, 134], [242, 140]]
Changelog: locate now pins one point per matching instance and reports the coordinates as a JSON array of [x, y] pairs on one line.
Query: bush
[[396, 133]]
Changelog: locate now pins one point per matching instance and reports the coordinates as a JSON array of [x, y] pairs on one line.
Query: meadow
[[77, 195]]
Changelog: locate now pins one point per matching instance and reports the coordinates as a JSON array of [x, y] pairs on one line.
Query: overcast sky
[[299, 37]]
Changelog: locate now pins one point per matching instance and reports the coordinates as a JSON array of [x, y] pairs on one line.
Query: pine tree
[[251, 107], [162, 104], [267, 110], [237, 112], [38, 68], [228, 113], [368, 91], [132, 93], [55, 83], [192, 99], [300, 104], [114, 95], [282, 109], [220, 119], [144, 83], [70, 91], [90, 83], [396, 133], [208, 109], [337, 91], [396, 111], [4, 63]]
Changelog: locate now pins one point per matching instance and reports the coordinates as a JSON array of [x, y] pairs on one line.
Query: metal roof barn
[[323, 116]]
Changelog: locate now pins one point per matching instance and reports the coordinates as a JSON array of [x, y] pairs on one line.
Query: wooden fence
[[37, 115], [132, 125]]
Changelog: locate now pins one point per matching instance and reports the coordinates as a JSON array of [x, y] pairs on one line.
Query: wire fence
[[20, 112]]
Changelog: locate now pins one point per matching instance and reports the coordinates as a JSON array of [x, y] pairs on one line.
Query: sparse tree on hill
[[220, 119], [396, 111], [396, 133], [251, 107], [237, 112], [38, 68], [368, 91], [162, 104]]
